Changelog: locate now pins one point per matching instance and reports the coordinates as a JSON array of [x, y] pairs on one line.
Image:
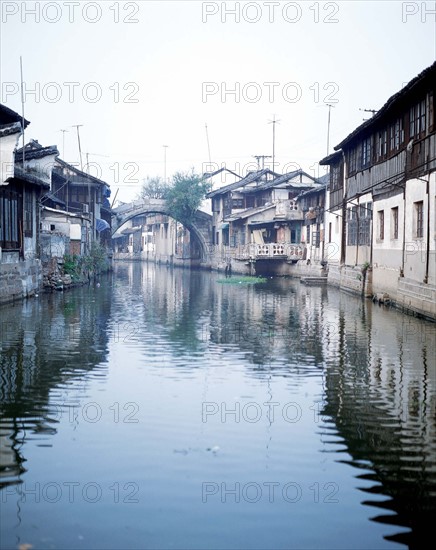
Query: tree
[[184, 196], [153, 188]]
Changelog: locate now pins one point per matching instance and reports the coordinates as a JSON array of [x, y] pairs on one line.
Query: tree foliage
[[154, 188], [184, 196]]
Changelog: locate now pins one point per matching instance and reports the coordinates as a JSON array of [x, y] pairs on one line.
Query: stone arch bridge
[[200, 229]]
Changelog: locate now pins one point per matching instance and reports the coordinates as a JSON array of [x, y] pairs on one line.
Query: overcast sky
[[141, 75]]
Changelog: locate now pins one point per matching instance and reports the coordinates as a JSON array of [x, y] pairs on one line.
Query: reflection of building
[[382, 195], [383, 405], [44, 345]]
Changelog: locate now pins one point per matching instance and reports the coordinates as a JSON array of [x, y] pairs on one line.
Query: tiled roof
[[428, 73], [8, 116], [49, 197], [62, 164], [249, 212], [7, 129], [288, 176], [249, 178], [34, 150], [29, 177], [329, 158], [318, 189], [207, 175]]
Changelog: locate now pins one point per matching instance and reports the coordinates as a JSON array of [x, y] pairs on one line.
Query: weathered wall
[[19, 280]]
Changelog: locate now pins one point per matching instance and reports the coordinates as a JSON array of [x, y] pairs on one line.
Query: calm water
[[165, 409]]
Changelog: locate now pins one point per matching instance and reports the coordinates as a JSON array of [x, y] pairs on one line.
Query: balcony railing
[[283, 251]]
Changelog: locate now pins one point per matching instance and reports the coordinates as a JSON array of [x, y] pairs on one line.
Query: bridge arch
[[200, 229]]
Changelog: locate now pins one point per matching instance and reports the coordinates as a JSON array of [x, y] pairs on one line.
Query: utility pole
[[274, 122], [77, 126], [22, 104], [263, 157], [208, 145], [63, 142], [90, 210], [165, 162], [329, 105]]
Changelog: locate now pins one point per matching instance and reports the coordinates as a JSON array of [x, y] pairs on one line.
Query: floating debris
[[247, 280]]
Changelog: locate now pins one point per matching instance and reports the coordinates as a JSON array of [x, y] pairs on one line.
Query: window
[[396, 135], [330, 232], [237, 203], [365, 210], [28, 214], [225, 234], [417, 119], [352, 224], [215, 204], [79, 194], [227, 208], [295, 235], [381, 224], [382, 143], [9, 219], [394, 223], [249, 202], [336, 177], [352, 161], [366, 152], [420, 119], [419, 220]]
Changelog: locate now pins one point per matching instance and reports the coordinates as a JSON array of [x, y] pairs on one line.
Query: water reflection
[[45, 344], [372, 370], [380, 389]]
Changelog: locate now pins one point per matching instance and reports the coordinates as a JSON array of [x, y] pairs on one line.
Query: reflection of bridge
[[200, 229]]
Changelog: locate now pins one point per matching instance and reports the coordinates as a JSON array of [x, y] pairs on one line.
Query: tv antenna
[[373, 111], [263, 157]]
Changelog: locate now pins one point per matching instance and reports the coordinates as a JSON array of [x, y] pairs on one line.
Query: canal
[[165, 409]]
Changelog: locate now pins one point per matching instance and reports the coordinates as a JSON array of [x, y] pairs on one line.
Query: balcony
[[273, 251], [287, 210]]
